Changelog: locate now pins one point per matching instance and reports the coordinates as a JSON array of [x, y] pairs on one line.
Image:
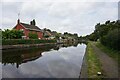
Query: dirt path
[[109, 65]]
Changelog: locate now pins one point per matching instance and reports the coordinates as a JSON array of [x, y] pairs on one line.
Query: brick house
[[27, 28]]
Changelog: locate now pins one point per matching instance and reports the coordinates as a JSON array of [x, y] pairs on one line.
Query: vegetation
[[69, 35], [14, 37], [0, 34], [57, 35], [25, 41], [46, 36], [12, 34], [93, 63], [110, 52], [112, 39], [33, 35], [108, 34]]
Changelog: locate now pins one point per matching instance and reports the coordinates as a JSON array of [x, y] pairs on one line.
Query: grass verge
[[93, 63], [110, 52]]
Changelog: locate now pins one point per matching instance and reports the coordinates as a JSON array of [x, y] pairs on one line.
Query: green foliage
[[57, 35], [93, 62], [0, 34], [12, 34], [25, 41], [33, 35], [74, 36], [107, 33], [46, 36], [93, 37], [111, 52], [112, 39]]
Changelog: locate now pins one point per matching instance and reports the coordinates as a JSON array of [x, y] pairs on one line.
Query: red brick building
[[27, 28]]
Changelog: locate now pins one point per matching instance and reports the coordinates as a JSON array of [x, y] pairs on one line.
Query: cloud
[[75, 17], [61, 0]]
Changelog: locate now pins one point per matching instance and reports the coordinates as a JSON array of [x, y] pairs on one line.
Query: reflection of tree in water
[[17, 57], [58, 46]]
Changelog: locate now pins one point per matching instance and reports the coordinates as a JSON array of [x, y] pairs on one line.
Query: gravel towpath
[[109, 65]]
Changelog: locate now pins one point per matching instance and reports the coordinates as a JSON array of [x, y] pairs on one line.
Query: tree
[[93, 37], [57, 35], [107, 22], [33, 35], [108, 33], [46, 36], [75, 35], [12, 34], [112, 39]]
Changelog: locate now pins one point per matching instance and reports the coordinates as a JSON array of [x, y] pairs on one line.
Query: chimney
[[18, 21], [31, 23]]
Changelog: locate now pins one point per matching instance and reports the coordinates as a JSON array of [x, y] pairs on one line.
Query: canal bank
[[83, 71], [20, 46], [91, 64], [25, 43], [96, 60]]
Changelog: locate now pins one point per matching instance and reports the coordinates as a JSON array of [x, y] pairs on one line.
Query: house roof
[[31, 27]]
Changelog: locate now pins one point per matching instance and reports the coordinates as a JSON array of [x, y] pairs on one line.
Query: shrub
[[23, 41], [33, 35], [112, 39], [12, 34]]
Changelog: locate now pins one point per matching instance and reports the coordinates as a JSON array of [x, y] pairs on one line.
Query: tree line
[[12, 34], [107, 33], [17, 34]]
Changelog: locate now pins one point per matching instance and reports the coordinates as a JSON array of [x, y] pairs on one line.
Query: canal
[[51, 61]]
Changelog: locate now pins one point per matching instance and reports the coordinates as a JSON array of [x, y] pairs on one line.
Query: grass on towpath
[[93, 63]]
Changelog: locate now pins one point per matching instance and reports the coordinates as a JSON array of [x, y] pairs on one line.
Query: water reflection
[[23, 56], [50, 60]]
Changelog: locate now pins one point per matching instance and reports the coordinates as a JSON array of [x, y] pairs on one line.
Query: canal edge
[[83, 70]]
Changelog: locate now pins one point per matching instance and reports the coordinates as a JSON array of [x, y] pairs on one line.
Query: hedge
[[25, 41]]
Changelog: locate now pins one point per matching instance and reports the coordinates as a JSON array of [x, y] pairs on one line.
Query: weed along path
[[109, 65]]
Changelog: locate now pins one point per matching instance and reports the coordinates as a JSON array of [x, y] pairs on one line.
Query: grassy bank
[[25, 41], [93, 63], [110, 52]]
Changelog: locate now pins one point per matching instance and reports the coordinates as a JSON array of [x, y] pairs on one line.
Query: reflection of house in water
[[30, 57], [18, 57]]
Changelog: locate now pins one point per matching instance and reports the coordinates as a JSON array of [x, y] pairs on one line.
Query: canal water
[[51, 61]]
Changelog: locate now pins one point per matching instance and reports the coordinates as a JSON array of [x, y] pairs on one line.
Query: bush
[[12, 34], [33, 35], [23, 41], [112, 39]]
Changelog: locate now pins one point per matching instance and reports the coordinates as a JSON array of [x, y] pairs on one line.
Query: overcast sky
[[61, 16]]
